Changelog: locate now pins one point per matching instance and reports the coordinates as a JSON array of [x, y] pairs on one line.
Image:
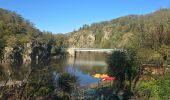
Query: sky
[[62, 16]]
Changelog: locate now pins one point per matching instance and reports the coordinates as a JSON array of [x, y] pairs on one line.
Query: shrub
[[67, 82], [125, 66], [155, 89]]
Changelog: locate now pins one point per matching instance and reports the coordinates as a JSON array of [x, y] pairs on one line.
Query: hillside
[[21, 41], [148, 34], [117, 32]]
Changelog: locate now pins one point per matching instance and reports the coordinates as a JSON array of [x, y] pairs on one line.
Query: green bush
[[155, 89], [117, 63], [67, 82], [124, 66], [168, 61]]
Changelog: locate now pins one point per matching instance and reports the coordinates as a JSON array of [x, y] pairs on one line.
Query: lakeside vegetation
[[145, 38]]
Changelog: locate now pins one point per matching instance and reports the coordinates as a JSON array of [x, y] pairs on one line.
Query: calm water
[[84, 65]]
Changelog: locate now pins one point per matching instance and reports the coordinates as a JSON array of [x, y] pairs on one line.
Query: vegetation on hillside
[[116, 33], [146, 43], [148, 34], [20, 40]]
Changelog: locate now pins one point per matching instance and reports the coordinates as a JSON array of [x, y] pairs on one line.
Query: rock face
[[70, 51], [27, 53], [7, 54], [116, 33], [111, 34], [10, 54], [81, 39]]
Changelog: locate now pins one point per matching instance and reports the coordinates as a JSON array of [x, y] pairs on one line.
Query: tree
[[117, 66], [125, 67]]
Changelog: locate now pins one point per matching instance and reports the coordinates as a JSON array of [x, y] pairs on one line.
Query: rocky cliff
[[110, 34], [116, 33]]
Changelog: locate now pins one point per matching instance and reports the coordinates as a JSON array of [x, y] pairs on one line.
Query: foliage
[[117, 64], [125, 66], [40, 83], [159, 88], [148, 34], [16, 32], [168, 61], [67, 82], [146, 37]]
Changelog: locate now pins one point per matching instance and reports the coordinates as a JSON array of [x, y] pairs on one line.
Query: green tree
[[117, 66], [125, 66]]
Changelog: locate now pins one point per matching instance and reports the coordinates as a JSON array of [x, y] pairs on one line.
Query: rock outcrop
[[111, 34]]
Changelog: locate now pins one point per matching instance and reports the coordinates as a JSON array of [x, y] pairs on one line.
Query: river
[[84, 65]]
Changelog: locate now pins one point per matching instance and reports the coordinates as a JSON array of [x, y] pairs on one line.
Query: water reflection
[[14, 72], [84, 65]]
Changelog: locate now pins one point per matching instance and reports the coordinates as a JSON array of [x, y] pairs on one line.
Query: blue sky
[[61, 16]]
